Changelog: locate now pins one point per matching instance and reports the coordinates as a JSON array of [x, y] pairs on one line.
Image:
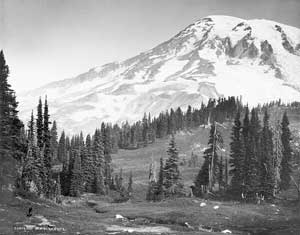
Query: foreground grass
[[91, 214]]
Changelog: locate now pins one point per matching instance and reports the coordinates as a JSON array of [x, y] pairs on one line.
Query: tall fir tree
[[285, 171], [62, 151], [267, 160], [277, 144], [40, 125], [88, 165], [189, 117], [53, 141], [13, 148], [33, 168], [247, 151], [107, 150], [65, 174], [39, 164], [29, 176], [237, 157], [31, 131], [10, 125], [47, 149], [145, 130], [76, 176], [207, 175], [172, 122], [179, 119], [99, 163], [173, 184], [252, 174]]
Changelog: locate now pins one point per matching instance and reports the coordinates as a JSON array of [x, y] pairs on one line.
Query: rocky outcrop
[[285, 42], [244, 48], [267, 57]]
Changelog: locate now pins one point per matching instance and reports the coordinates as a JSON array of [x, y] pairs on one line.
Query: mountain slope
[[215, 56]]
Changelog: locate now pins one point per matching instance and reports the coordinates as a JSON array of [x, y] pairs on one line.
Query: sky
[[48, 40]]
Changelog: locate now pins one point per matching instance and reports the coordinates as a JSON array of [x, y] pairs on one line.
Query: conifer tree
[[247, 151], [189, 117], [115, 138], [267, 160], [252, 173], [53, 140], [107, 150], [30, 173], [58, 190], [277, 144], [88, 165], [145, 130], [62, 151], [179, 119], [39, 165], [31, 131], [237, 157], [285, 171], [172, 178], [99, 161], [40, 125], [207, 175], [76, 177], [172, 122], [33, 169], [47, 149], [10, 125], [99, 182], [65, 175]]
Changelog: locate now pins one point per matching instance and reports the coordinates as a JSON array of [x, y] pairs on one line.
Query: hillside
[[215, 56], [138, 161]]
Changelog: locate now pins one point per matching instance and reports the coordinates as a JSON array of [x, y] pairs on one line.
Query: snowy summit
[[215, 56]]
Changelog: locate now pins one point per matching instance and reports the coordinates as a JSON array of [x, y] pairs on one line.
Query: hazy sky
[[47, 40]]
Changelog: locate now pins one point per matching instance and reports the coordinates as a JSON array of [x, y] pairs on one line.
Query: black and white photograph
[[150, 117]]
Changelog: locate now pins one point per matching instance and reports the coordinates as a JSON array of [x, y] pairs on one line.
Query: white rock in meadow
[[118, 216], [226, 231]]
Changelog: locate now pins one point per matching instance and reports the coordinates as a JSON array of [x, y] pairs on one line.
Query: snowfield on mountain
[[216, 56]]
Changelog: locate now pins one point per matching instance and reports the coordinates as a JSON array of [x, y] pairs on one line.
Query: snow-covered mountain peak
[[215, 56]]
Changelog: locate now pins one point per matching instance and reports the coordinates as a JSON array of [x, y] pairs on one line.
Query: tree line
[[259, 162], [145, 131], [68, 166]]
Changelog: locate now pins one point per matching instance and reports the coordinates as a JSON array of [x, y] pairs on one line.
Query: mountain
[[215, 56]]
